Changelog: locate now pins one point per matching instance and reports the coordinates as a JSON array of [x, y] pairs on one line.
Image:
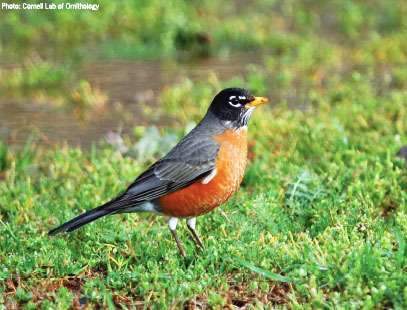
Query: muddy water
[[127, 83]]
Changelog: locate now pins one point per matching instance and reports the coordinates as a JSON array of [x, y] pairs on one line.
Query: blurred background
[[79, 76]]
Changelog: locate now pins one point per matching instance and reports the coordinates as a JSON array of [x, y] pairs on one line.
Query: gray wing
[[192, 159]]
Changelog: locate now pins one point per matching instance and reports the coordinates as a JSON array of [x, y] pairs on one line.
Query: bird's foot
[[181, 249]]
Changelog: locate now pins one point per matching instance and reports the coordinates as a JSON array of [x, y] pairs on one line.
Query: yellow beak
[[257, 101]]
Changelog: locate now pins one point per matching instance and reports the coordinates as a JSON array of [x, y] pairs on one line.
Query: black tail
[[82, 220]]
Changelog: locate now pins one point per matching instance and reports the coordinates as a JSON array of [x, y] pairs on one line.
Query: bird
[[197, 175]]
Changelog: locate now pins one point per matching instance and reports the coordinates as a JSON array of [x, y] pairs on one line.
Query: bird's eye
[[234, 102]]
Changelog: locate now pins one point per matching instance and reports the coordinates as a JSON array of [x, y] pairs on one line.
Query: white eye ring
[[236, 105]]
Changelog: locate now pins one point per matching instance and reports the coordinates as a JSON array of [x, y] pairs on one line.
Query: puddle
[[127, 82]]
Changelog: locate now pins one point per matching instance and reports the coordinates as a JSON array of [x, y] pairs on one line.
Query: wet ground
[[127, 84]]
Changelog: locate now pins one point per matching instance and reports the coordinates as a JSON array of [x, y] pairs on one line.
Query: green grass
[[320, 221]]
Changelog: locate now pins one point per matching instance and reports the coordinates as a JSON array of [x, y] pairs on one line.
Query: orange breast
[[199, 198]]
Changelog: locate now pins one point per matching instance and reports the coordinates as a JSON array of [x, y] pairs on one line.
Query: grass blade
[[268, 274]]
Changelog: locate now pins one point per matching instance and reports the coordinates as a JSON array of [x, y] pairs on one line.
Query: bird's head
[[234, 106]]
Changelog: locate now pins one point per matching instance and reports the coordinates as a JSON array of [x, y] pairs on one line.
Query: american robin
[[200, 173]]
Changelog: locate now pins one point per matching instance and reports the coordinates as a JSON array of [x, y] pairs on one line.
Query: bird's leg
[[172, 223], [191, 226]]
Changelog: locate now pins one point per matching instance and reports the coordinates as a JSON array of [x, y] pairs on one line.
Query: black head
[[235, 105]]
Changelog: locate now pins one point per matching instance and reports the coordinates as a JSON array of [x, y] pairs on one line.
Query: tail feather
[[81, 220]]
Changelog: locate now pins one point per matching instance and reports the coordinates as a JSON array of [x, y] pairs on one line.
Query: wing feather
[[192, 159]]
